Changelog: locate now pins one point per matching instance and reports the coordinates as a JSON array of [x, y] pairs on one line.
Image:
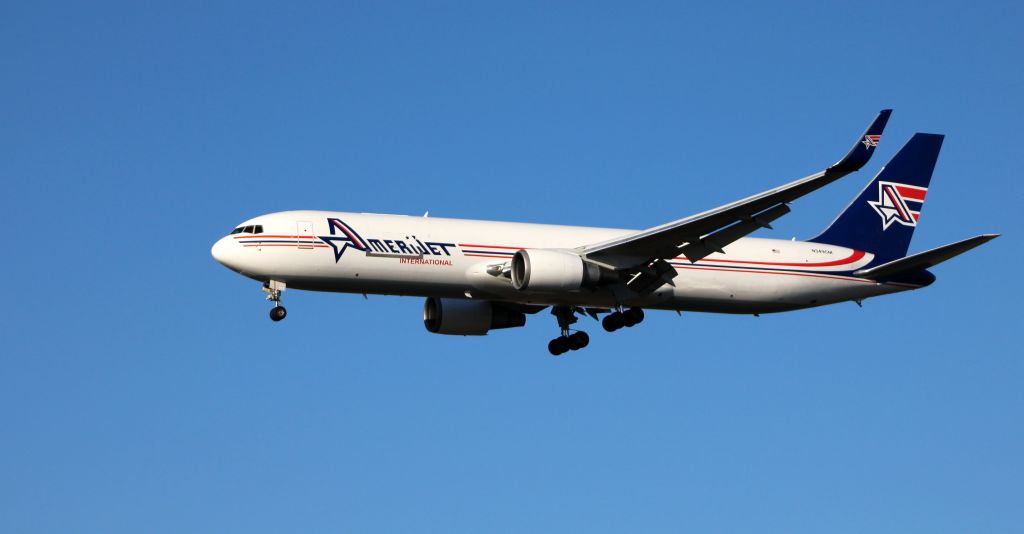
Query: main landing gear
[[570, 340], [619, 319], [273, 289], [564, 343]]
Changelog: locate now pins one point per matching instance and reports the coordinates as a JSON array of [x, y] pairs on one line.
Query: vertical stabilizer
[[882, 219]]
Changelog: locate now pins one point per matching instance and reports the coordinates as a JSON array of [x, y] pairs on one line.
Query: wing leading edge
[[699, 235]]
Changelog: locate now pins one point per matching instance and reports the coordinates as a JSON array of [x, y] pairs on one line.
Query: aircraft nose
[[222, 251]]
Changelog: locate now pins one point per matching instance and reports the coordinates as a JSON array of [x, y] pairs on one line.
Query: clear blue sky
[[143, 389]]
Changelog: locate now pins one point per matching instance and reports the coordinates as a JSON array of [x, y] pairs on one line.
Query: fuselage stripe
[[487, 256], [310, 242], [489, 246], [790, 273], [467, 252], [854, 256], [293, 245], [260, 236]]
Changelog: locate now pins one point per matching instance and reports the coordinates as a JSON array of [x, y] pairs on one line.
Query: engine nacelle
[[553, 270], [467, 317]]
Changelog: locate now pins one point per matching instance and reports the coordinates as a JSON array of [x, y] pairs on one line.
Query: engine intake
[[554, 270], [467, 317]]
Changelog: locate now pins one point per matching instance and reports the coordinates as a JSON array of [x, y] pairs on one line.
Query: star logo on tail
[[871, 140], [892, 205]]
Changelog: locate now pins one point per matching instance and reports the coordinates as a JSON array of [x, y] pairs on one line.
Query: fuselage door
[[304, 234]]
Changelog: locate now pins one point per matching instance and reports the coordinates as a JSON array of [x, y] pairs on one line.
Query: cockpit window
[[251, 229]]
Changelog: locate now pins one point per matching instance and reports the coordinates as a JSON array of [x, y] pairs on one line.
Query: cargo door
[[304, 235]]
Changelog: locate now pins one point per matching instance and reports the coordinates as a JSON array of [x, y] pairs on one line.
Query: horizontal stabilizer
[[924, 260]]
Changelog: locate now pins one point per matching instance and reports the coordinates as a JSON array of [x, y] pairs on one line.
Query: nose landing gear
[[564, 343], [273, 289]]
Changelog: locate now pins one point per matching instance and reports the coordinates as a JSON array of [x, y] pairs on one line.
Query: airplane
[[478, 276]]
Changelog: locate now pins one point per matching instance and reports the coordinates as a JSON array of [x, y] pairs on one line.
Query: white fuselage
[[437, 257]]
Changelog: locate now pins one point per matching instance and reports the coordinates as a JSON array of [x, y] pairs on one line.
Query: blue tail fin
[[881, 220]]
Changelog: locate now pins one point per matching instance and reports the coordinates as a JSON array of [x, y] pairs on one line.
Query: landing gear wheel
[[578, 340], [273, 289], [613, 322], [559, 346], [632, 316]]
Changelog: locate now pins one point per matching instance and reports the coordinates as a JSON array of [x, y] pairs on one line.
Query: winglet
[[864, 147]]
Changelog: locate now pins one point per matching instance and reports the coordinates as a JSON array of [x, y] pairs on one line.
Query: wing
[[699, 235]]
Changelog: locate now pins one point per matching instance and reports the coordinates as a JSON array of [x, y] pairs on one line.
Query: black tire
[[579, 340], [612, 322], [632, 317], [277, 313], [558, 346]]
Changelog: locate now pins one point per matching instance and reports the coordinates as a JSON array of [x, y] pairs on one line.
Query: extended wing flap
[[723, 225], [716, 242], [923, 260]]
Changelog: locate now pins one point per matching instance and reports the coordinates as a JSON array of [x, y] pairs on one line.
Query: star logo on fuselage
[[338, 243], [342, 237]]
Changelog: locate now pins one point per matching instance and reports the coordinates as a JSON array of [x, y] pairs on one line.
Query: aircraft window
[[251, 229]]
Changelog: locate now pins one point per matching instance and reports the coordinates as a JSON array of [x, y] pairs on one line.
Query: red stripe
[[487, 256], [293, 245], [351, 235], [855, 256], [488, 246], [896, 203], [265, 236], [773, 272], [916, 194]]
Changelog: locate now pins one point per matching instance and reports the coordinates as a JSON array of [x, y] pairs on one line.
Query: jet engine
[[467, 317], [554, 270]]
